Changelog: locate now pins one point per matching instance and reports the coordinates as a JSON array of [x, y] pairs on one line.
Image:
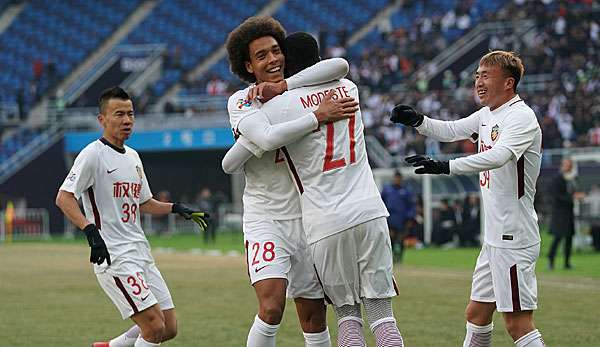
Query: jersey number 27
[[329, 163]]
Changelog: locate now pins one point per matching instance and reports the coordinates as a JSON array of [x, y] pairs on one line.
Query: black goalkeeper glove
[[99, 252], [407, 115], [426, 165], [200, 218]]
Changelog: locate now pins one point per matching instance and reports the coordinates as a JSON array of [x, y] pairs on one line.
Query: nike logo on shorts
[[260, 268], [145, 297], [111, 171]]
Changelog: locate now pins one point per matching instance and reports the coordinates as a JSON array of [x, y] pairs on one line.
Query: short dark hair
[[239, 39], [509, 62], [301, 51], [115, 92]]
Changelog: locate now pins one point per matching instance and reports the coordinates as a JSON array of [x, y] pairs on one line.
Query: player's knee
[[154, 330], [314, 322], [169, 333], [517, 326], [271, 312], [476, 317]]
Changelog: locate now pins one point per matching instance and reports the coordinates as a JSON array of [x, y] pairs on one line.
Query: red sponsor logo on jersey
[[484, 176], [314, 99], [126, 190]]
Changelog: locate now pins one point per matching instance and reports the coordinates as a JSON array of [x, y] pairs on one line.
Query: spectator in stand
[[444, 231], [593, 201], [563, 218], [160, 224], [216, 86], [204, 200], [471, 221], [400, 201]]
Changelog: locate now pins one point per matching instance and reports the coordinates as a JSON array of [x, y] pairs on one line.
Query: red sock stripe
[[126, 295]]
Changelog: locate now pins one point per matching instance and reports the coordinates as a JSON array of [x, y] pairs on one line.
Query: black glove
[[427, 165], [98, 248], [200, 218], [406, 115]]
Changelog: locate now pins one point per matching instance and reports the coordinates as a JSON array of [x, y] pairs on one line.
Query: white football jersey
[[508, 190], [112, 185], [269, 191], [329, 166]]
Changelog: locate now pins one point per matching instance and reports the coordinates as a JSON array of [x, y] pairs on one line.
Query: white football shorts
[[133, 287], [278, 249], [356, 263], [507, 277]]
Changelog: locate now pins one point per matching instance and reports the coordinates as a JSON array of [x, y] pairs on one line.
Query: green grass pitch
[[50, 297]]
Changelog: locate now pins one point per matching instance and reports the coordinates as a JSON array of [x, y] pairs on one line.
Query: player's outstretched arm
[[445, 131], [519, 132], [159, 208], [68, 204], [258, 129], [488, 160], [426, 165], [235, 158], [324, 71], [189, 213]]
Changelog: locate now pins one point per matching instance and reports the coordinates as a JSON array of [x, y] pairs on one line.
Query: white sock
[[127, 339], [321, 339], [140, 342], [261, 334], [478, 336], [531, 339]]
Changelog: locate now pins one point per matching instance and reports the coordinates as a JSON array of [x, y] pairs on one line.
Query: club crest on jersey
[[494, 133], [72, 176], [139, 171], [243, 103]]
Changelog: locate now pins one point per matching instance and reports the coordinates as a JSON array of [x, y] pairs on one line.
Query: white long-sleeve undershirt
[[450, 131], [488, 160], [321, 72], [235, 158], [268, 137]]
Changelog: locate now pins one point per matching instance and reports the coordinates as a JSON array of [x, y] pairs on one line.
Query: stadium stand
[[192, 30], [45, 43]]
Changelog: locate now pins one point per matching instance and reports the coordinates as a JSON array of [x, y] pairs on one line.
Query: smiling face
[[266, 60], [117, 120], [493, 86]]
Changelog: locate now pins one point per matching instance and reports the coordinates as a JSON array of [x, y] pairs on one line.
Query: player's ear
[[100, 118], [509, 84], [249, 67]]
